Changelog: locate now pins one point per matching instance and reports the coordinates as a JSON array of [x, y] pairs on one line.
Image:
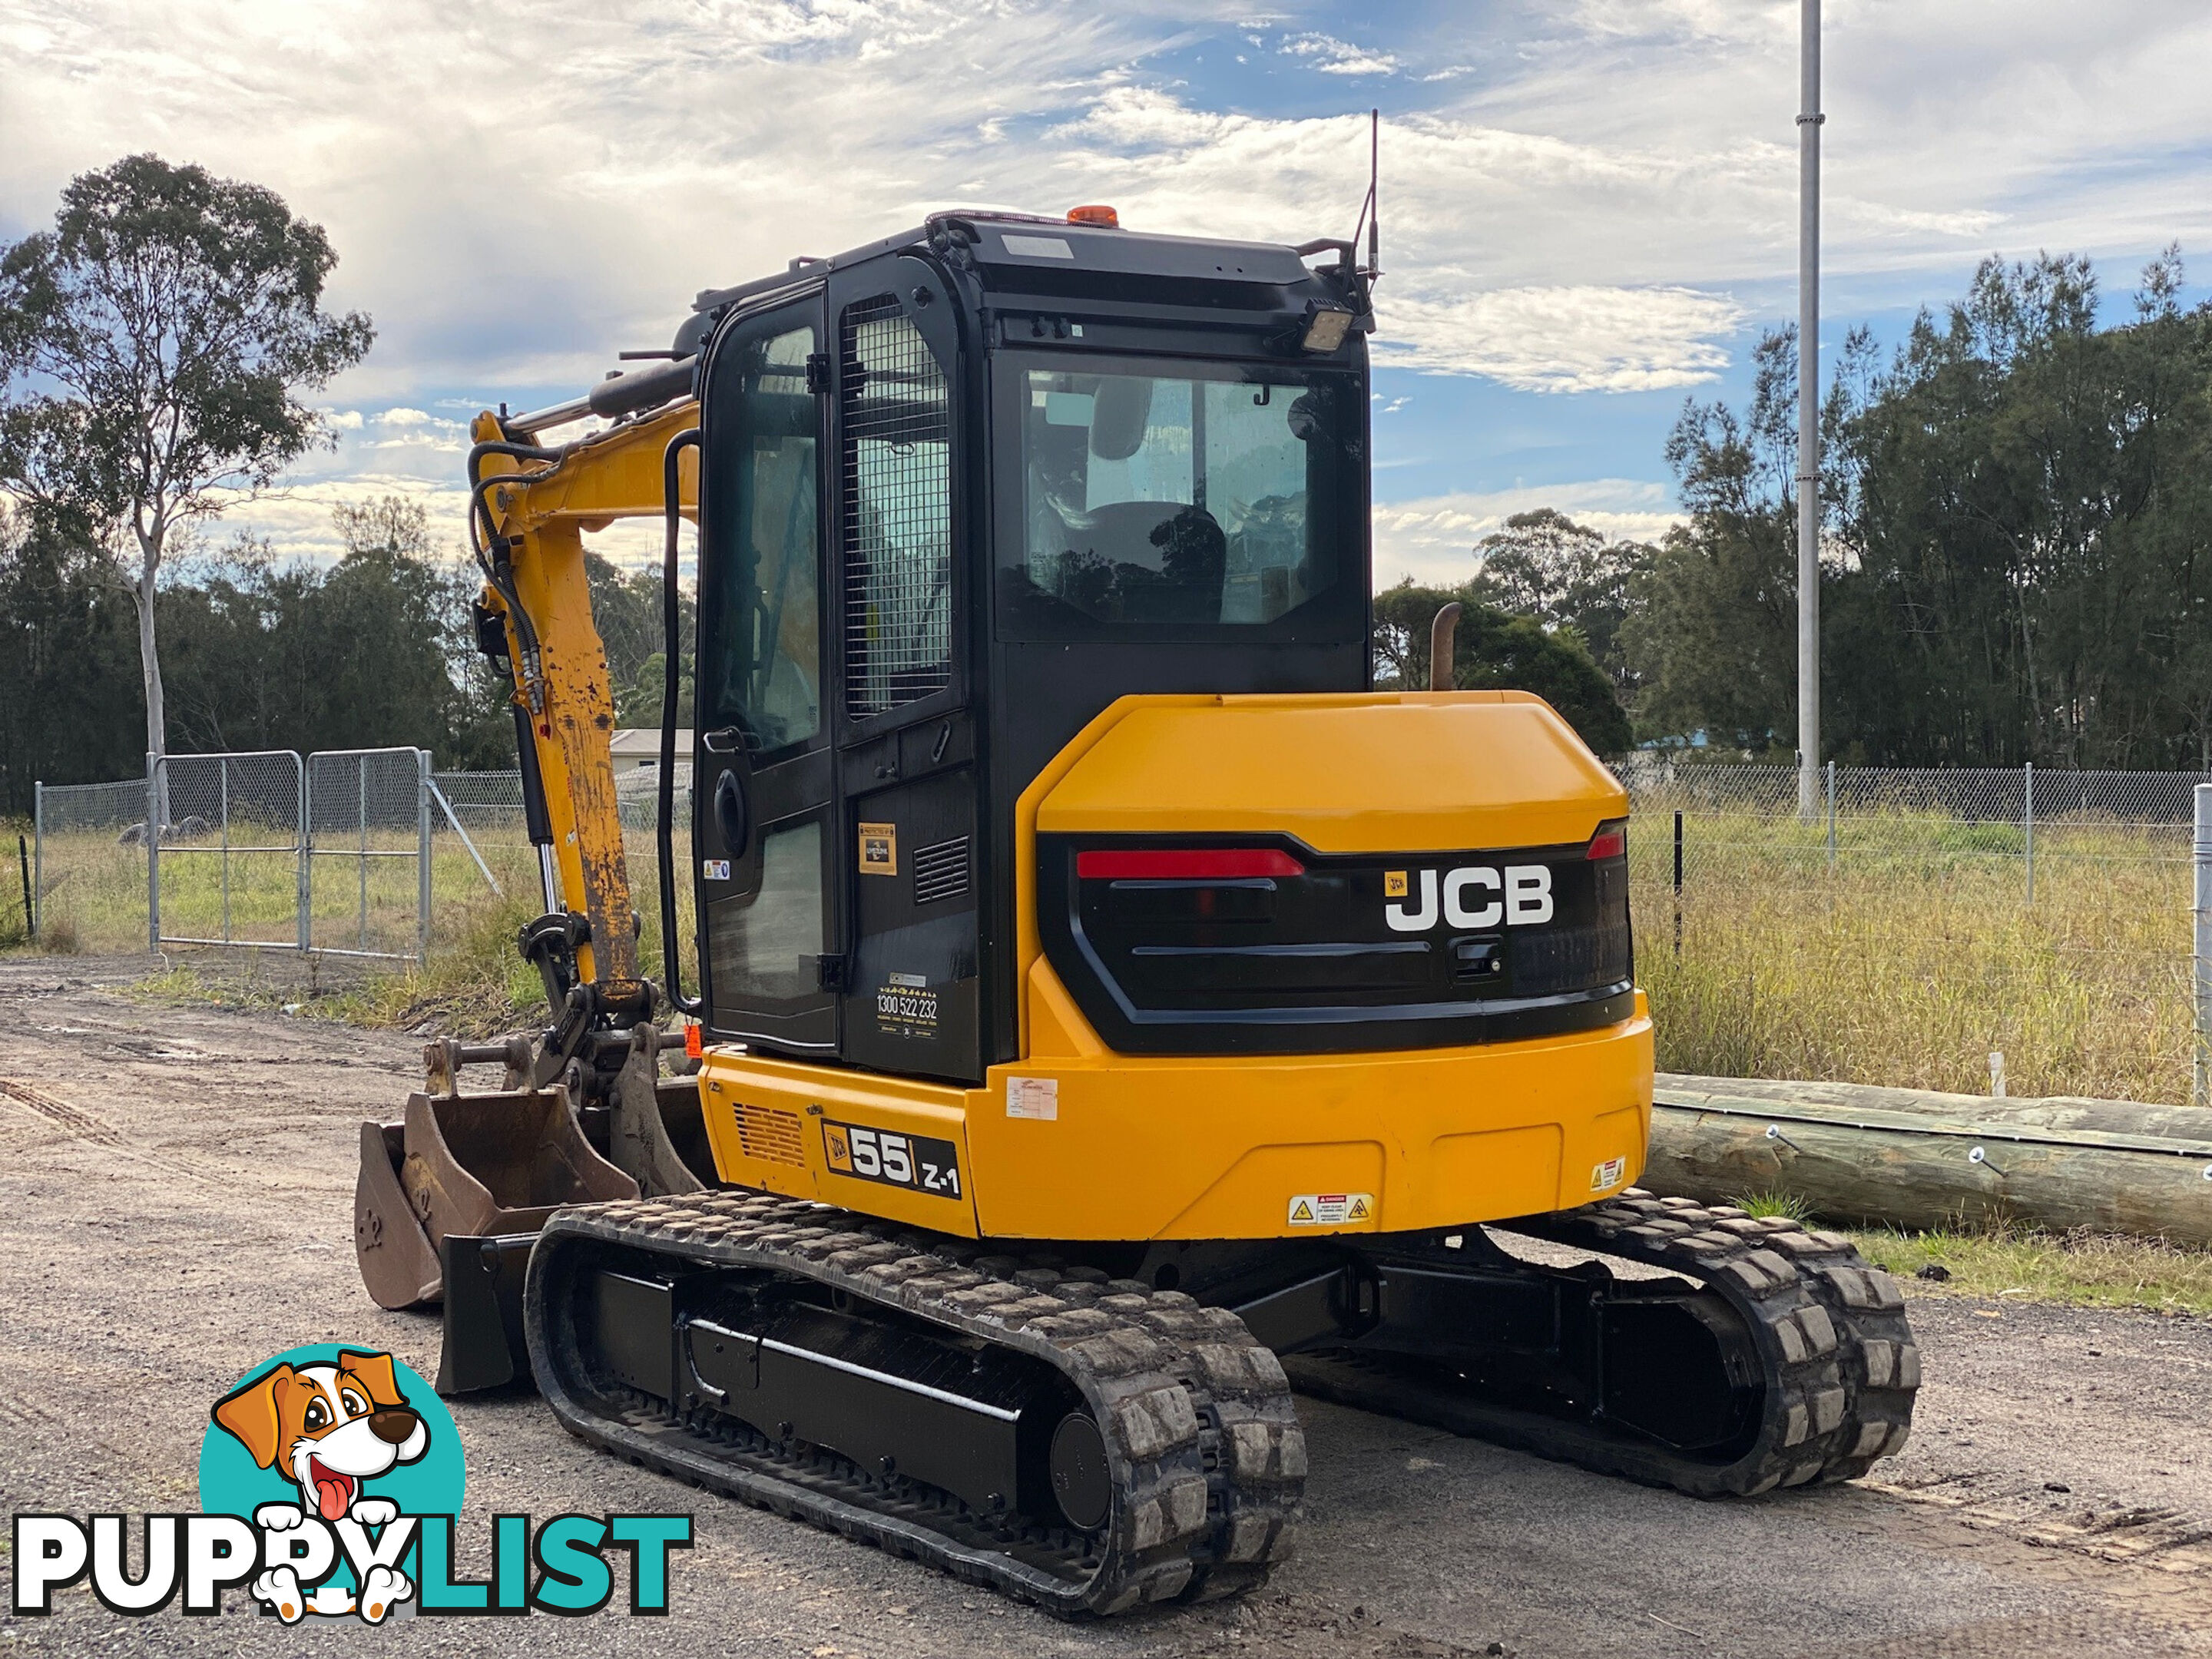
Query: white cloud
[[1333, 57], [1563, 339], [1433, 539]]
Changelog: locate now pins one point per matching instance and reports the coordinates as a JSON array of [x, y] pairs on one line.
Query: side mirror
[[1119, 414]]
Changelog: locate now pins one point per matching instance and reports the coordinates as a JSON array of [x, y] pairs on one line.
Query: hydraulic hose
[[671, 615]]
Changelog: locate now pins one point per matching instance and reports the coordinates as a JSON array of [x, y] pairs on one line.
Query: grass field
[[1918, 955], [2086, 1270]]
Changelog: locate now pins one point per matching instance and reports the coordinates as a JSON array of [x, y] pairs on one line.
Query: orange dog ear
[[250, 1413], [376, 1369]]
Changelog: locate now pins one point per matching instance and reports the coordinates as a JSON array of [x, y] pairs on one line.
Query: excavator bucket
[[498, 1163], [470, 1165]]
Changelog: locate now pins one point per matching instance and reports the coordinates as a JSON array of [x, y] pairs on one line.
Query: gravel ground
[[175, 1205]]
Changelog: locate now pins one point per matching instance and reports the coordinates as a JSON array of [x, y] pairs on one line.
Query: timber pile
[[1915, 1158]]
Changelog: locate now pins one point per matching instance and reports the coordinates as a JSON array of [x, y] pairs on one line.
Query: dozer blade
[[483, 1345], [483, 1274]]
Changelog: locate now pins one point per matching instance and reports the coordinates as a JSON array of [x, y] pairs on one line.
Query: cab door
[[764, 822]]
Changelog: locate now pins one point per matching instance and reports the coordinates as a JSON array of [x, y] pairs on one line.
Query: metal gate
[[223, 845], [365, 879], [330, 853]]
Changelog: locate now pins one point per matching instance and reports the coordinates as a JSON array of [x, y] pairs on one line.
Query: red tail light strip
[[1609, 842], [1187, 864]]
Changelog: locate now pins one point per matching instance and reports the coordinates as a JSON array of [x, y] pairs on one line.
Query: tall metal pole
[[1809, 415]]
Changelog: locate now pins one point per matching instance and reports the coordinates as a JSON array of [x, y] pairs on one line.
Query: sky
[[1588, 208]]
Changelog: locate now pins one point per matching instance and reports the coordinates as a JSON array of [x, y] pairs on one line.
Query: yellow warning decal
[[879, 849], [1609, 1174], [1394, 884], [1331, 1209]]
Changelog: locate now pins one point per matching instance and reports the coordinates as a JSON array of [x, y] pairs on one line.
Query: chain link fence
[[2027, 931], [352, 853], [88, 865]]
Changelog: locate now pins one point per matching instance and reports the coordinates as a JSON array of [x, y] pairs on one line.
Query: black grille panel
[[1335, 953], [898, 500], [1568, 959], [941, 871]]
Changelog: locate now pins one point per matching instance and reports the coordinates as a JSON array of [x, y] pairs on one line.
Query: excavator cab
[[1110, 1009], [959, 497]]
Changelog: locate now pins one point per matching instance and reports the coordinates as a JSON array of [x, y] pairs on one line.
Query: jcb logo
[[1472, 895]]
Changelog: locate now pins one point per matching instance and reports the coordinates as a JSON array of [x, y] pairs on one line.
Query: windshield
[[1177, 499]]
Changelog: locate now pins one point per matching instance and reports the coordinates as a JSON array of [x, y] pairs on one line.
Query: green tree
[[1493, 650], [152, 345], [628, 611], [1544, 566], [68, 699]]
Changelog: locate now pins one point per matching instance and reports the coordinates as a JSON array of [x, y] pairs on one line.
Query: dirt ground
[[175, 1205]]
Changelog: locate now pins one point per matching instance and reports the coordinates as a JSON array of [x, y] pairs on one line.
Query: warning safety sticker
[[1610, 1173], [1033, 1096], [1331, 1209]]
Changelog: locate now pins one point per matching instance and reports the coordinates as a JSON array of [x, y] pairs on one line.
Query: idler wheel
[[1081, 1482]]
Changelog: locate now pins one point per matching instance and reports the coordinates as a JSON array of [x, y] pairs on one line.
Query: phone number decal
[[920, 1163]]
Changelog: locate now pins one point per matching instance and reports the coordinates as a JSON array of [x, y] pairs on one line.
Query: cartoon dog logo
[[329, 1428]]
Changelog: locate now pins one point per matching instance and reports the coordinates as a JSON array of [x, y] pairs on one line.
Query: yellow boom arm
[[542, 516]]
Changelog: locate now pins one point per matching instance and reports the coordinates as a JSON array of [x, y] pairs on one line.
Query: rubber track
[[1201, 1433], [1830, 1331]]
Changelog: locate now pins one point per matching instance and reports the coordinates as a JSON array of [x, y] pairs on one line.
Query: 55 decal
[[920, 1163]]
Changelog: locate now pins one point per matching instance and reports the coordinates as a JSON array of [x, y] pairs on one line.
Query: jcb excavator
[[1113, 1012]]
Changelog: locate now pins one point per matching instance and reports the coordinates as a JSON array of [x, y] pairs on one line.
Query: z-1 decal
[[920, 1163]]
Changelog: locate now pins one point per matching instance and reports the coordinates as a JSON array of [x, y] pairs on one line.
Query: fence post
[[153, 856], [1678, 882], [422, 859], [2202, 850], [1832, 815], [38, 855], [223, 777], [2027, 824], [303, 834], [361, 801]]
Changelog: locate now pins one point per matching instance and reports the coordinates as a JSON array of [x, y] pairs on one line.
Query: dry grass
[[474, 982], [1916, 956], [2080, 1270]]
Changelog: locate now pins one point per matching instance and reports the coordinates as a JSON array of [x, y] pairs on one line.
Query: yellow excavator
[[1113, 1013]]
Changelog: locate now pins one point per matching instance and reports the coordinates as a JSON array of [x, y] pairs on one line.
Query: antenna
[[1369, 220], [1373, 182]]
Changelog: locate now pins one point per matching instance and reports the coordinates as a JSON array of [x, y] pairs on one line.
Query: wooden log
[[1911, 1162], [2192, 1124]]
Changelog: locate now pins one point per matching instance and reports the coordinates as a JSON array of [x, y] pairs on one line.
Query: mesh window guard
[[897, 512]]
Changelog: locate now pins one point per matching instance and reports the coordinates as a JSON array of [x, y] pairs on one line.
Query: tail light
[[1611, 841], [1185, 864]]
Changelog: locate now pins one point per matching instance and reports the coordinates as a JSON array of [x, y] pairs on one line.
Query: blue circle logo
[[337, 1434]]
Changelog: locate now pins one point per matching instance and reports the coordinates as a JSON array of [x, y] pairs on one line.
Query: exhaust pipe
[[1441, 665]]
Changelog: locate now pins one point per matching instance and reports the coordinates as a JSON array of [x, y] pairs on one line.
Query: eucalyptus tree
[[154, 346]]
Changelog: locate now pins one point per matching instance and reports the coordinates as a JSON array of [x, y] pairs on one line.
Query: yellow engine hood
[[1379, 772]]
